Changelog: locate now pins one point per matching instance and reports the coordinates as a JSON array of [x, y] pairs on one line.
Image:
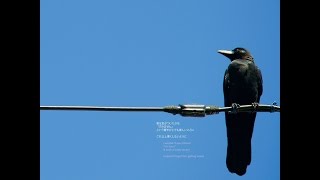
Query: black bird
[[242, 85]]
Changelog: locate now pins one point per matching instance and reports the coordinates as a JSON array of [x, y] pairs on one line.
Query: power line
[[189, 110]]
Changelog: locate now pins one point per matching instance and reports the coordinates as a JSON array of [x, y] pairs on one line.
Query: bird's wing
[[260, 82], [226, 85]]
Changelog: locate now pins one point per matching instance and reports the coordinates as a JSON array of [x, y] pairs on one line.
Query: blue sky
[[151, 53]]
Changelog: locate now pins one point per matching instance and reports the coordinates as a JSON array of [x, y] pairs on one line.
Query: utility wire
[[189, 110]]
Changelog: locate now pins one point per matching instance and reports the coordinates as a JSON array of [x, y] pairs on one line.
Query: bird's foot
[[234, 107], [254, 105]]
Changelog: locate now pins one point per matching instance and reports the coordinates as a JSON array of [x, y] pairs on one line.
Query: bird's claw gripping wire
[[234, 107], [254, 105]]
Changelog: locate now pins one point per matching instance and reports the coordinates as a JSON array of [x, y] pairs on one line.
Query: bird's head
[[237, 53]]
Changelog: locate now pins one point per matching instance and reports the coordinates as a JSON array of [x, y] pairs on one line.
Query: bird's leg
[[254, 105], [234, 108]]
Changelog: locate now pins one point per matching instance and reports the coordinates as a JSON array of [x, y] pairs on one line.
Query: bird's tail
[[240, 130], [238, 156]]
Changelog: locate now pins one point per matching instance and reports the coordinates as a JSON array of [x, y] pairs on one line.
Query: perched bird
[[242, 85]]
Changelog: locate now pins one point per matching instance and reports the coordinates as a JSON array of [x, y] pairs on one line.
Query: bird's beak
[[226, 53]]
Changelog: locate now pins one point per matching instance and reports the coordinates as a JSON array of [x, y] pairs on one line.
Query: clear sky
[[151, 53]]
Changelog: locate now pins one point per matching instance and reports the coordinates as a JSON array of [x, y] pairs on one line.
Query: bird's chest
[[242, 78], [239, 75]]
